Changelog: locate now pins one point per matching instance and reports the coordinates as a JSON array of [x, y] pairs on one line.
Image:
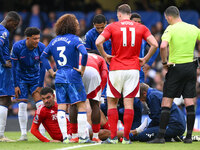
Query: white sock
[[82, 125], [3, 118], [142, 126], [23, 117], [41, 127], [95, 135], [62, 122]]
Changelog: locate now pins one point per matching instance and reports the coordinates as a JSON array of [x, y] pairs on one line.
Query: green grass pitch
[[35, 144]]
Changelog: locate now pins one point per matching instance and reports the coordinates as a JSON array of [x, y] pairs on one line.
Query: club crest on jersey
[[4, 35], [36, 119]]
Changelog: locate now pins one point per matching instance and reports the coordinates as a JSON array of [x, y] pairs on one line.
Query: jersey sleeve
[[166, 35], [45, 54], [107, 32], [146, 33], [14, 57], [3, 36], [81, 48], [88, 41], [103, 72], [42, 68], [198, 31], [37, 120]]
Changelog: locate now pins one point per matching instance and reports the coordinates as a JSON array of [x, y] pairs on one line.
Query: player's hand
[[108, 58], [52, 73], [38, 89], [17, 92], [80, 71], [8, 64], [142, 61], [54, 141], [146, 68]]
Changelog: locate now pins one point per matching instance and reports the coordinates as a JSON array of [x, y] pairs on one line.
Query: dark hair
[[46, 90], [31, 31], [12, 15], [172, 11], [135, 15], [98, 19], [143, 88], [67, 24], [124, 9]]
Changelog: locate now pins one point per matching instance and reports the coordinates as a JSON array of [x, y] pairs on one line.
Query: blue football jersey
[[28, 67], [4, 43], [90, 39], [65, 50]]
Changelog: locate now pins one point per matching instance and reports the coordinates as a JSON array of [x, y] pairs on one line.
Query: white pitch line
[[78, 146]]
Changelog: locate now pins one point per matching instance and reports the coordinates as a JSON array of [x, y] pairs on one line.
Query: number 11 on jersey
[[124, 31]]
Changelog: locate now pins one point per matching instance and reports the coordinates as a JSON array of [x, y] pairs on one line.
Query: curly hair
[[67, 23]]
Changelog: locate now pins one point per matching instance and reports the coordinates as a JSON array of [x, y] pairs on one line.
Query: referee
[[181, 76]]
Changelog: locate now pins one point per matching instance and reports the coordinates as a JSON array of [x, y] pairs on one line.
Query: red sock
[[106, 126], [74, 127], [68, 127], [128, 120], [112, 120], [95, 128]]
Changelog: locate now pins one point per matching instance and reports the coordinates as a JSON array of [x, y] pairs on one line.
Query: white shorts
[[124, 82], [92, 83]]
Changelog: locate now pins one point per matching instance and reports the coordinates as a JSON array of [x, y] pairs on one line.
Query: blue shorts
[[6, 82], [70, 93], [27, 88]]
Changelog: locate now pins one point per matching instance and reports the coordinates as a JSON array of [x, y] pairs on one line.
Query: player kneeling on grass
[[47, 115]]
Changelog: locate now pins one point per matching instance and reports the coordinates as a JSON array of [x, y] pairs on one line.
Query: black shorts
[[181, 80]]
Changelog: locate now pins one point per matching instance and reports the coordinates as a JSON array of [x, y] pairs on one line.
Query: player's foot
[[5, 139], [126, 141], [157, 140], [66, 141], [187, 140], [23, 138], [177, 139], [110, 141], [195, 138], [74, 140], [85, 140], [96, 140]]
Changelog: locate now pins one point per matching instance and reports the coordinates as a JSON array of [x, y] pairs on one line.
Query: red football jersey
[[48, 117], [126, 37], [100, 65]]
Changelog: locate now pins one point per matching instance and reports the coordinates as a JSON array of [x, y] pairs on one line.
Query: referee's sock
[[164, 119], [190, 120]]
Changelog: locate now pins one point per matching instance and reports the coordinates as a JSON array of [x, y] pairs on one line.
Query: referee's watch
[[164, 63]]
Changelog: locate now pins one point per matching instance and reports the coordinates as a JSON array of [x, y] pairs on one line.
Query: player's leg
[[114, 88], [22, 113], [6, 92], [5, 101], [38, 102], [61, 95], [130, 90], [95, 117], [189, 95], [73, 112]]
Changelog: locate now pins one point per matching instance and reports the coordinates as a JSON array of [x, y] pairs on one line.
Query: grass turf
[[35, 144]]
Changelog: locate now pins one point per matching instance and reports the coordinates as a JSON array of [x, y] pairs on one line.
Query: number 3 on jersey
[[61, 54], [132, 30]]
